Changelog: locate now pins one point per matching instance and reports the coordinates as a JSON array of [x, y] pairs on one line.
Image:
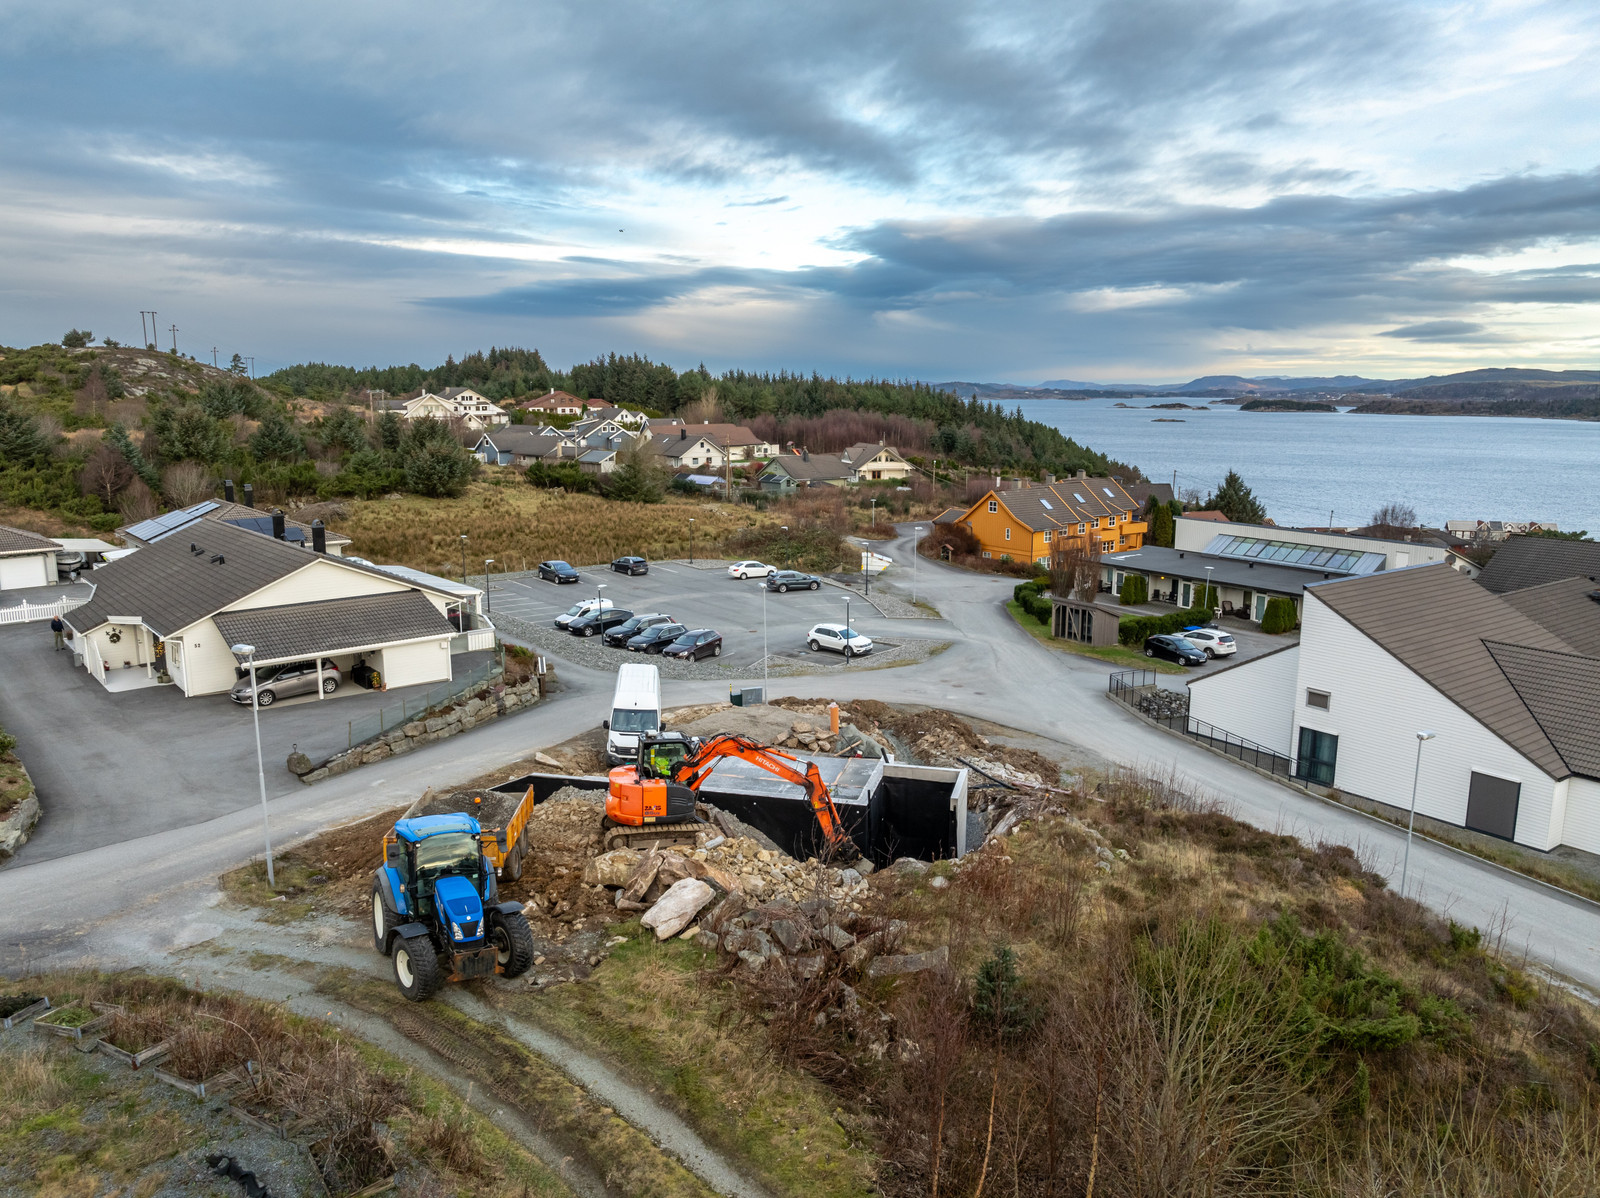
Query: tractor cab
[[426, 852]]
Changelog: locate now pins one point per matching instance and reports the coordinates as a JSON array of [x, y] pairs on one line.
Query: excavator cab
[[644, 805]]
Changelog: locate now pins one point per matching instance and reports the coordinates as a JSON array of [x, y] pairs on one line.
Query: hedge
[[1026, 596], [1135, 590], [1133, 629], [1279, 616]]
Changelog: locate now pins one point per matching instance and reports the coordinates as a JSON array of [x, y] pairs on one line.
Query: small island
[[1286, 405]]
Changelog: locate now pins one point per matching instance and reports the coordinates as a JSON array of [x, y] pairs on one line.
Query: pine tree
[[117, 438], [20, 438], [391, 432], [438, 469], [276, 439], [345, 430], [1236, 501]]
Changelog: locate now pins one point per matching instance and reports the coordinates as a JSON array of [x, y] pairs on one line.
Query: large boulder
[[674, 909], [611, 869], [300, 765]]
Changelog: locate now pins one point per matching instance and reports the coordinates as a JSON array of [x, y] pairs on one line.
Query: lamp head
[[245, 650], [1421, 736]]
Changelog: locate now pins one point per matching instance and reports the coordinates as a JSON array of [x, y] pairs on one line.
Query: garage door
[[1492, 805], [409, 665], [27, 571]]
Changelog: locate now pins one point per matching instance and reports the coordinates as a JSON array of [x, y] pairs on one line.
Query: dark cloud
[[1436, 330]]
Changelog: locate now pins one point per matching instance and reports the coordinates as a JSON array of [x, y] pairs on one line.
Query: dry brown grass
[[520, 526]]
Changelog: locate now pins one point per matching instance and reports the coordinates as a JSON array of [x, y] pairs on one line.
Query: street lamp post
[[1213, 606], [847, 636], [785, 528], [1405, 865], [915, 537], [766, 650], [488, 603], [874, 502], [598, 599], [463, 559], [248, 652], [691, 540]]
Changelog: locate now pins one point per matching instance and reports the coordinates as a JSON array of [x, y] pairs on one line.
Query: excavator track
[[625, 836]]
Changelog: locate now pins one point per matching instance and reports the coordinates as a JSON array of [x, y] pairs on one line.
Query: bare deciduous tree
[[136, 502], [1074, 568], [105, 475], [1395, 515], [184, 483]]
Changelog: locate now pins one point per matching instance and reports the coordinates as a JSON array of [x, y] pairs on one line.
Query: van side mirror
[[606, 724]]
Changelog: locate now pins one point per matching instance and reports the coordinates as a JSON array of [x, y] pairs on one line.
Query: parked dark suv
[[631, 565], [628, 629], [286, 681], [1174, 648], [656, 638], [557, 572], [692, 646], [792, 580]]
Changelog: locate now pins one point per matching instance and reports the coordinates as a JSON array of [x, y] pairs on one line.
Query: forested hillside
[[822, 414]]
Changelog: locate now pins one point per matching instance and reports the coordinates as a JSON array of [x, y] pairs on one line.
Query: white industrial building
[[170, 613], [1508, 684]]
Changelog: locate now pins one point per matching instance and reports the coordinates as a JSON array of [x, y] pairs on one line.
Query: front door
[[1261, 608], [1319, 752], [1186, 596]]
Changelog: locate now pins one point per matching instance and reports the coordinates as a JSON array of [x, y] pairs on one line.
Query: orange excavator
[[653, 800]]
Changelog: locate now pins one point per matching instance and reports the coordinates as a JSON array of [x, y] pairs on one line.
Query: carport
[[407, 634]]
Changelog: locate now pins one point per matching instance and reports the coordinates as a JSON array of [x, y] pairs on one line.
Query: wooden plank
[[33, 1011], [377, 1187]]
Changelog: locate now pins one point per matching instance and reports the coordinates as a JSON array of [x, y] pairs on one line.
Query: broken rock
[[888, 967], [677, 907], [612, 869]]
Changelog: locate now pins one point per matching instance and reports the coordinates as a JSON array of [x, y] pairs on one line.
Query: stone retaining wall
[[463, 716], [19, 824]]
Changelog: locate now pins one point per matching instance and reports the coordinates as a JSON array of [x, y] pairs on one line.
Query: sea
[[1337, 468]]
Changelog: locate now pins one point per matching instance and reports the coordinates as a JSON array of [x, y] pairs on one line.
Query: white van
[[635, 708]]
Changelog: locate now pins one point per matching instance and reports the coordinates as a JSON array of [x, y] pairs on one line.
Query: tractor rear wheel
[[380, 922], [416, 968], [513, 944]]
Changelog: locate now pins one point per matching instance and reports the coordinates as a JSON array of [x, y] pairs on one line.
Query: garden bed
[[17, 1009]]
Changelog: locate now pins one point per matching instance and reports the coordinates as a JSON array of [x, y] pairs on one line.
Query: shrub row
[[1027, 596], [1279, 616], [1135, 590], [1133, 629]]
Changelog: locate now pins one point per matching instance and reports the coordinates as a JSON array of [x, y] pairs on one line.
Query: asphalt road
[[110, 767], [153, 894]]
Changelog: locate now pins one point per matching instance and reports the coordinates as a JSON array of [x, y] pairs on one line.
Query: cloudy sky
[[1102, 189]]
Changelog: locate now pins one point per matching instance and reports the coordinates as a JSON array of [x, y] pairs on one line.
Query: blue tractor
[[434, 910]]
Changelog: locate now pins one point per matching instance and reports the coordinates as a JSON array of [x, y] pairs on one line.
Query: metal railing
[[1130, 687], [397, 715], [25, 612]]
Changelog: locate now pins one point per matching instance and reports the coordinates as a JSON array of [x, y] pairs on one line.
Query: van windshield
[[624, 720]]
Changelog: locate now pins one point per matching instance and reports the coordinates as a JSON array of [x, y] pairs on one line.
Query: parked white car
[[583, 609], [840, 639], [750, 570], [1211, 641]]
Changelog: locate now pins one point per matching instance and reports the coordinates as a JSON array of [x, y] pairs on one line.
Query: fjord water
[[1303, 464]]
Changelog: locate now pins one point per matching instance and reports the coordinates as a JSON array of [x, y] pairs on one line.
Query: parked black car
[[692, 646], [597, 622], [557, 572], [1174, 648], [656, 638], [631, 565], [628, 629], [792, 580]]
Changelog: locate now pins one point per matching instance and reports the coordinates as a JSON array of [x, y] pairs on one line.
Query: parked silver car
[[286, 681]]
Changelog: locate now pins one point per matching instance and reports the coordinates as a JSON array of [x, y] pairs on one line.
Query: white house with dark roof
[[461, 403], [1512, 698], [26, 559], [173, 610]]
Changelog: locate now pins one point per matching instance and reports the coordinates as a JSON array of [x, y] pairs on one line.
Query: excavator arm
[[694, 769]]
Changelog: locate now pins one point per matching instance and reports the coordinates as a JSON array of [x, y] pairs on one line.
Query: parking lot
[[699, 596]]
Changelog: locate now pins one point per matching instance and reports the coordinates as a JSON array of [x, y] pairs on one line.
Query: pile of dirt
[[563, 835], [492, 809]]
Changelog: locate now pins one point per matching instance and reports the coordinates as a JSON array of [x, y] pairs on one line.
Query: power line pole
[[252, 362], [174, 332], [213, 357]]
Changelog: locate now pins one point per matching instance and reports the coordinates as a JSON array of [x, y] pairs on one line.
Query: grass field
[[1116, 655], [519, 526]]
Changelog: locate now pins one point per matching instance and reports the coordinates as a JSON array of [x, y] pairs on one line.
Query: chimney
[[249, 495], [1049, 478], [1083, 474], [227, 489], [683, 433], [805, 455], [277, 523], [319, 537]]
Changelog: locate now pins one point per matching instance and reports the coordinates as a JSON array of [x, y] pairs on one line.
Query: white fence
[[24, 613]]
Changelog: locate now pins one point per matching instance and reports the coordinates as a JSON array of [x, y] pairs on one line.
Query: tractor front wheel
[[416, 968], [513, 944]]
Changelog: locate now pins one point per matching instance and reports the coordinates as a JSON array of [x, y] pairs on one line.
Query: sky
[[1106, 190]]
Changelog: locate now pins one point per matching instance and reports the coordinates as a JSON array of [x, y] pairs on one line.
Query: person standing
[[57, 627]]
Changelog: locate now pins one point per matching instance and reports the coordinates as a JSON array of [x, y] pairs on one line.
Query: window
[[1047, 536], [993, 506], [1492, 805], [1318, 699], [1095, 523], [1081, 530], [1008, 534], [986, 553], [1319, 753]]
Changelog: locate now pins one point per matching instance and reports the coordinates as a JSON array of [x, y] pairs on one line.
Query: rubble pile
[[1163, 704], [728, 864]]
